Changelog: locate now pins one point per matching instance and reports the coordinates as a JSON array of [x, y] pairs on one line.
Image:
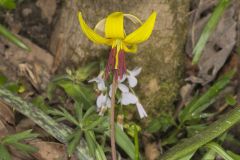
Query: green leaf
[[219, 150], [124, 142], [3, 79], [40, 103], [188, 157], [12, 38], [25, 148], [79, 111], [74, 142], [12, 86], [83, 73], [8, 4], [198, 105], [162, 123], [209, 28], [14, 138], [4, 153], [208, 134], [90, 142], [210, 155], [69, 117], [231, 100], [79, 92], [100, 153], [95, 123], [195, 129], [88, 113], [234, 155]]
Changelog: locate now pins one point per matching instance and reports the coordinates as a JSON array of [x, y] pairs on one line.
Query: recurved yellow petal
[[130, 49], [143, 32], [114, 26], [93, 36]]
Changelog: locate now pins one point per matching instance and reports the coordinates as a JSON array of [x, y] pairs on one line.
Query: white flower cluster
[[127, 96]]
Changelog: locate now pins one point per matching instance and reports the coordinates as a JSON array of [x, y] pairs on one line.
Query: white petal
[[100, 100], [132, 81], [123, 78], [92, 80], [123, 87], [142, 113], [128, 98], [101, 85], [135, 71], [108, 103]]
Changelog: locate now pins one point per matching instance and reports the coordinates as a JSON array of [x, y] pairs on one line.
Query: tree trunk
[[161, 57]]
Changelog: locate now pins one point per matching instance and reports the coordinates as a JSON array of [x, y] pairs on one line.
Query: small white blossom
[[100, 82], [142, 113], [120, 86], [103, 102], [129, 98], [131, 76]]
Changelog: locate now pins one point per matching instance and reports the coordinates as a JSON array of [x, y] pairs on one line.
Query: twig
[[112, 122], [59, 131]]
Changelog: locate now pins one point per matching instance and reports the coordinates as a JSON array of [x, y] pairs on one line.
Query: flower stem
[[112, 122]]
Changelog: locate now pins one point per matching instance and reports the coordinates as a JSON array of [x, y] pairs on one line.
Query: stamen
[[111, 62], [116, 64]]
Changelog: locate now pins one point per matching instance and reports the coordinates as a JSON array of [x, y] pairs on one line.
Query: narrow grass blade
[[4, 153], [219, 150], [200, 104], [214, 130], [12, 38], [209, 28]]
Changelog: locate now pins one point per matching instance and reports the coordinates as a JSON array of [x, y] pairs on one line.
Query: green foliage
[[40, 103], [160, 124], [230, 100], [78, 91], [188, 157], [210, 155], [14, 87], [12, 38], [193, 143], [89, 125], [195, 108], [82, 73], [233, 155], [219, 150], [209, 28], [16, 141], [124, 142], [8, 4]]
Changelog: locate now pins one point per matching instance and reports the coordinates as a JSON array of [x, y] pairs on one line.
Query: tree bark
[[161, 57]]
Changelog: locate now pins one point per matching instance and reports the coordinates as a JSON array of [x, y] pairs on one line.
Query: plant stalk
[[112, 121]]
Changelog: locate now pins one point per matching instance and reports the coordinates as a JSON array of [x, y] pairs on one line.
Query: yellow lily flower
[[115, 36]]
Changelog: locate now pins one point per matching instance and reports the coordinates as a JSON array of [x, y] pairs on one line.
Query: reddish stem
[[112, 121]]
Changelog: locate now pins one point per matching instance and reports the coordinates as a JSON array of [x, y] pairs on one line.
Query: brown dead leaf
[[49, 150], [151, 151], [220, 43], [6, 114], [38, 62], [3, 129], [25, 124]]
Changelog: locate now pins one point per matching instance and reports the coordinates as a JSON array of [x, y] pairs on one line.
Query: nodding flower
[[115, 36]]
